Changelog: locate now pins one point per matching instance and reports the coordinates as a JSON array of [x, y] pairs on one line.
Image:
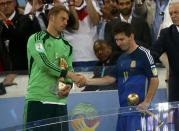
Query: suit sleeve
[[146, 36], [158, 48]]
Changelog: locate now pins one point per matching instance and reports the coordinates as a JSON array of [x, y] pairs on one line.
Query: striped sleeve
[[36, 50], [148, 63]]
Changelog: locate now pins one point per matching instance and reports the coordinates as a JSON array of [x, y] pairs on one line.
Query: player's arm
[[153, 85], [152, 75], [37, 56], [106, 80]]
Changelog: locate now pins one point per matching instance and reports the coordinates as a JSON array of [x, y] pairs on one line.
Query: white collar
[[124, 20], [83, 5], [178, 28], [12, 16]]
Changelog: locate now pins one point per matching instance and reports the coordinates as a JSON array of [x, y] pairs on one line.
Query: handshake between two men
[[80, 80], [64, 89]]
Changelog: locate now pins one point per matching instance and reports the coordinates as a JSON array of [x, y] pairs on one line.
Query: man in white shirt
[[83, 38]]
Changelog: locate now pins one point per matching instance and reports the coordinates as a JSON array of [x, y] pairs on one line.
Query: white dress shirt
[[178, 28]]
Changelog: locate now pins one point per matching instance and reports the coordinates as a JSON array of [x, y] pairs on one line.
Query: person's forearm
[[71, 75], [100, 81], [154, 82], [75, 15], [93, 14]]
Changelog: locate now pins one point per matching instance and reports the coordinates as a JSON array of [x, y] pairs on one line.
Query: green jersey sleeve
[[36, 51]]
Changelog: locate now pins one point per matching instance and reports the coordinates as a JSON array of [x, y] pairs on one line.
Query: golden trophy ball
[[133, 99]]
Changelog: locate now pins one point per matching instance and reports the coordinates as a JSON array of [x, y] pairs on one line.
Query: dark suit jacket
[[168, 42], [17, 36], [141, 30], [25, 26]]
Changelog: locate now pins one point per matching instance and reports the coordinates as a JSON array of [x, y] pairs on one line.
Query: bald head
[[174, 11], [174, 1]]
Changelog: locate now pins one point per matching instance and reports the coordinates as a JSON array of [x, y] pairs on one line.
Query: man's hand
[[138, 2], [65, 91], [143, 106], [80, 125], [37, 5], [9, 80], [79, 79], [82, 81]]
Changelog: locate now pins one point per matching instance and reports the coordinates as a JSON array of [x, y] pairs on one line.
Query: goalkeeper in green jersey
[[50, 72]]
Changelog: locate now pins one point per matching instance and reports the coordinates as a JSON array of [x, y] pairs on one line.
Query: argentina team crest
[[133, 64]]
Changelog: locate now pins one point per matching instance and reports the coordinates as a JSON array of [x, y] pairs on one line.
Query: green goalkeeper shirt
[[44, 56]]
